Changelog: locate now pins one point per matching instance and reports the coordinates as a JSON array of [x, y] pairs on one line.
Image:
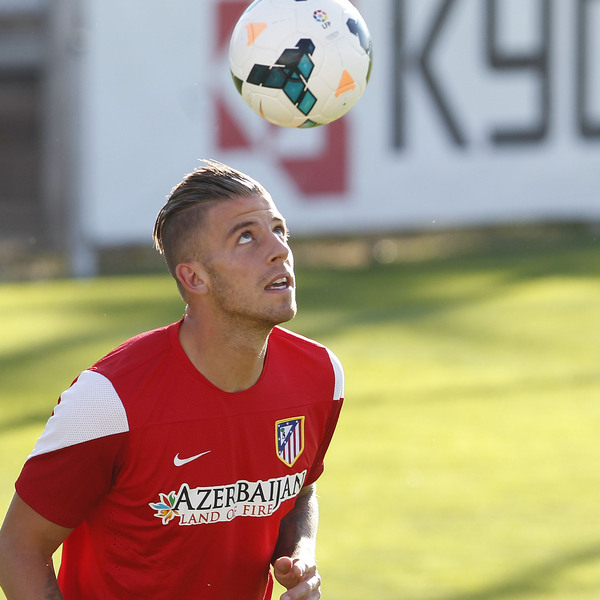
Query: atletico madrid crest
[[289, 439]]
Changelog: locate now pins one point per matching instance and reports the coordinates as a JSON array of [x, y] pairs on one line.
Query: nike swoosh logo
[[179, 462]]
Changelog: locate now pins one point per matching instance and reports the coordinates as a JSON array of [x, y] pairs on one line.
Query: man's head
[[225, 243], [177, 227]]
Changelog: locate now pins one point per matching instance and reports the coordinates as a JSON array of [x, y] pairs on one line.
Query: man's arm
[[27, 543], [294, 560]]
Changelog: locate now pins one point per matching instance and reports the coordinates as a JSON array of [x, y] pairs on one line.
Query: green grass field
[[466, 464]]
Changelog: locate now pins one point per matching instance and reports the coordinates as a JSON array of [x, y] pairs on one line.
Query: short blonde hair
[[178, 224]]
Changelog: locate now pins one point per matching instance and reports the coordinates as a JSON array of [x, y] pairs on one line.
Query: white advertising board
[[478, 111]]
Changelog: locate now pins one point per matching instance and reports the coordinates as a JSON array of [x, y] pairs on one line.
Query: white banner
[[478, 111]]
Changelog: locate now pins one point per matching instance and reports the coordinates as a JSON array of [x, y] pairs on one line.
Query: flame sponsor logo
[[216, 504]]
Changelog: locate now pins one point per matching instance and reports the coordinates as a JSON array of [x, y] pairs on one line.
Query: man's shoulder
[[303, 355], [295, 345], [140, 351], [290, 338]]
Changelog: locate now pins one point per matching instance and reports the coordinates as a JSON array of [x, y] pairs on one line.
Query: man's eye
[[281, 232], [245, 237]]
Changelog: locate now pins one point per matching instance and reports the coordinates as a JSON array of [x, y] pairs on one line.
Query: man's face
[[249, 263]]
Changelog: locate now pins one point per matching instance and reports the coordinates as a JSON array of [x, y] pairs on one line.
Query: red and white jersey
[[175, 488]]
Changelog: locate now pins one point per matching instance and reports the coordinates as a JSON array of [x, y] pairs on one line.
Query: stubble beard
[[244, 316]]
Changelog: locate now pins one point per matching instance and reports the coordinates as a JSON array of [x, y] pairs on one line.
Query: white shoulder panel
[[88, 410], [339, 375]]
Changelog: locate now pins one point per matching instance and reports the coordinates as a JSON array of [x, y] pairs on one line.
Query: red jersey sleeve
[[319, 463], [65, 485], [79, 453], [338, 398]]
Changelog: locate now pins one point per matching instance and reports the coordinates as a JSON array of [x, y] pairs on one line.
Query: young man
[[183, 463]]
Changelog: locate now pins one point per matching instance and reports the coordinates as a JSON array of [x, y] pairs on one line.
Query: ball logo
[[321, 17]]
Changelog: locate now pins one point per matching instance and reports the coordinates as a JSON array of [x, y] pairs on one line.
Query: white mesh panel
[[88, 410], [339, 375]]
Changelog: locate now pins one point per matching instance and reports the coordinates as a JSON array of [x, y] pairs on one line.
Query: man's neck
[[230, 359]]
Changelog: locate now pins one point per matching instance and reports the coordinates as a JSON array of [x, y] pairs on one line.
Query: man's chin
[[286, 315]]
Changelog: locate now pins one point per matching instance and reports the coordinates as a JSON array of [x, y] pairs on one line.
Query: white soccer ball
[[301, 63]]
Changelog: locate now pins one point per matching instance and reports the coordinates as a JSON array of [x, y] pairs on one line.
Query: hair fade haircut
[[177, 229]]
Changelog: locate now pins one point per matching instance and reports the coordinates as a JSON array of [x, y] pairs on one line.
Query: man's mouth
[[282, 283]]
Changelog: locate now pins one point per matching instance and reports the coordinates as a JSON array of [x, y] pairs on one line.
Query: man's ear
[[193, 277]]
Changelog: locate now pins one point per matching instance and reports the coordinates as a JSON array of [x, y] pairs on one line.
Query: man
[[184, 462]]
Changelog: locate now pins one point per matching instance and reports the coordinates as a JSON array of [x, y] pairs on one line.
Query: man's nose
[[280, 248]]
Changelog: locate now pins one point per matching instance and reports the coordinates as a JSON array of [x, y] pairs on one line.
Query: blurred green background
[[465, 465]]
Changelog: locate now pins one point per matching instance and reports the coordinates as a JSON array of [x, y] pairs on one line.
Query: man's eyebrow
[[251, 223], [239, 226], [280, 221]]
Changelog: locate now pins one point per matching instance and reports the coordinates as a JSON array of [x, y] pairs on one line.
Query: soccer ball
[[301, 63]]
